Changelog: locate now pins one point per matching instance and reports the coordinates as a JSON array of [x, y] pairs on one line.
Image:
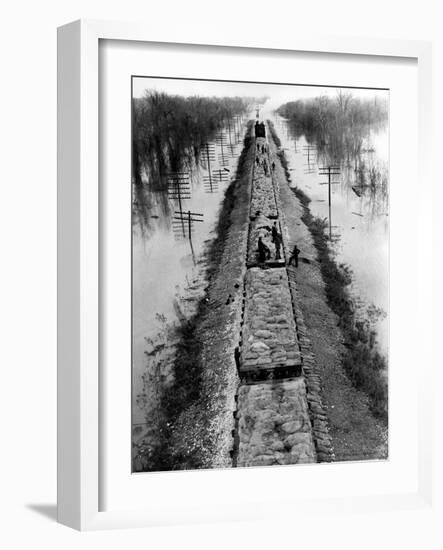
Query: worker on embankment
[[294, 255]]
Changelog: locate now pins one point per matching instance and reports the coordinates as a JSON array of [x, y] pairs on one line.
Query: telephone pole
[[329, 171], [208, 150], [308, 149], [179, 188], [221, 140], [187, 218]]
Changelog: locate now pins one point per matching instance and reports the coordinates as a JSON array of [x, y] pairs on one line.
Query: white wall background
[[28, 268]]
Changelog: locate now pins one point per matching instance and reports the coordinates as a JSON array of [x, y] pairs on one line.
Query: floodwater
[[360, 224], [168, 267]]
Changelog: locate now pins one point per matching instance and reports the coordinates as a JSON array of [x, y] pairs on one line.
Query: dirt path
[[355, 433]]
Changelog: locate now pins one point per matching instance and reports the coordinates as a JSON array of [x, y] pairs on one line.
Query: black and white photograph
[[260, 282]]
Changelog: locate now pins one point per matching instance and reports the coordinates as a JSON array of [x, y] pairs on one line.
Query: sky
[[278, 93]]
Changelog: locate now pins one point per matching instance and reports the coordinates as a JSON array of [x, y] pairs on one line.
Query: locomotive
[[260, 130]]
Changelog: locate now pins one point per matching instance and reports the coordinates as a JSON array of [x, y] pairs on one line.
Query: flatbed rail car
[[269, 347]]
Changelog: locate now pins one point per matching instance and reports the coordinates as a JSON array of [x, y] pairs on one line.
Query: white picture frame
[[78, 272]]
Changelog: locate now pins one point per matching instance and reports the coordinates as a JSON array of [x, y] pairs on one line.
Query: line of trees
[[337, 124], [169, 131]]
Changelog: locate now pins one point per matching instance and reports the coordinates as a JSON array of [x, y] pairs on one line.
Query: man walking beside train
[[294, 256]]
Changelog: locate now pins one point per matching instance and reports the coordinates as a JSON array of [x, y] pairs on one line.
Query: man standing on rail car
[[263, 251], [274, 232], [277, 240], [294, 255]]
